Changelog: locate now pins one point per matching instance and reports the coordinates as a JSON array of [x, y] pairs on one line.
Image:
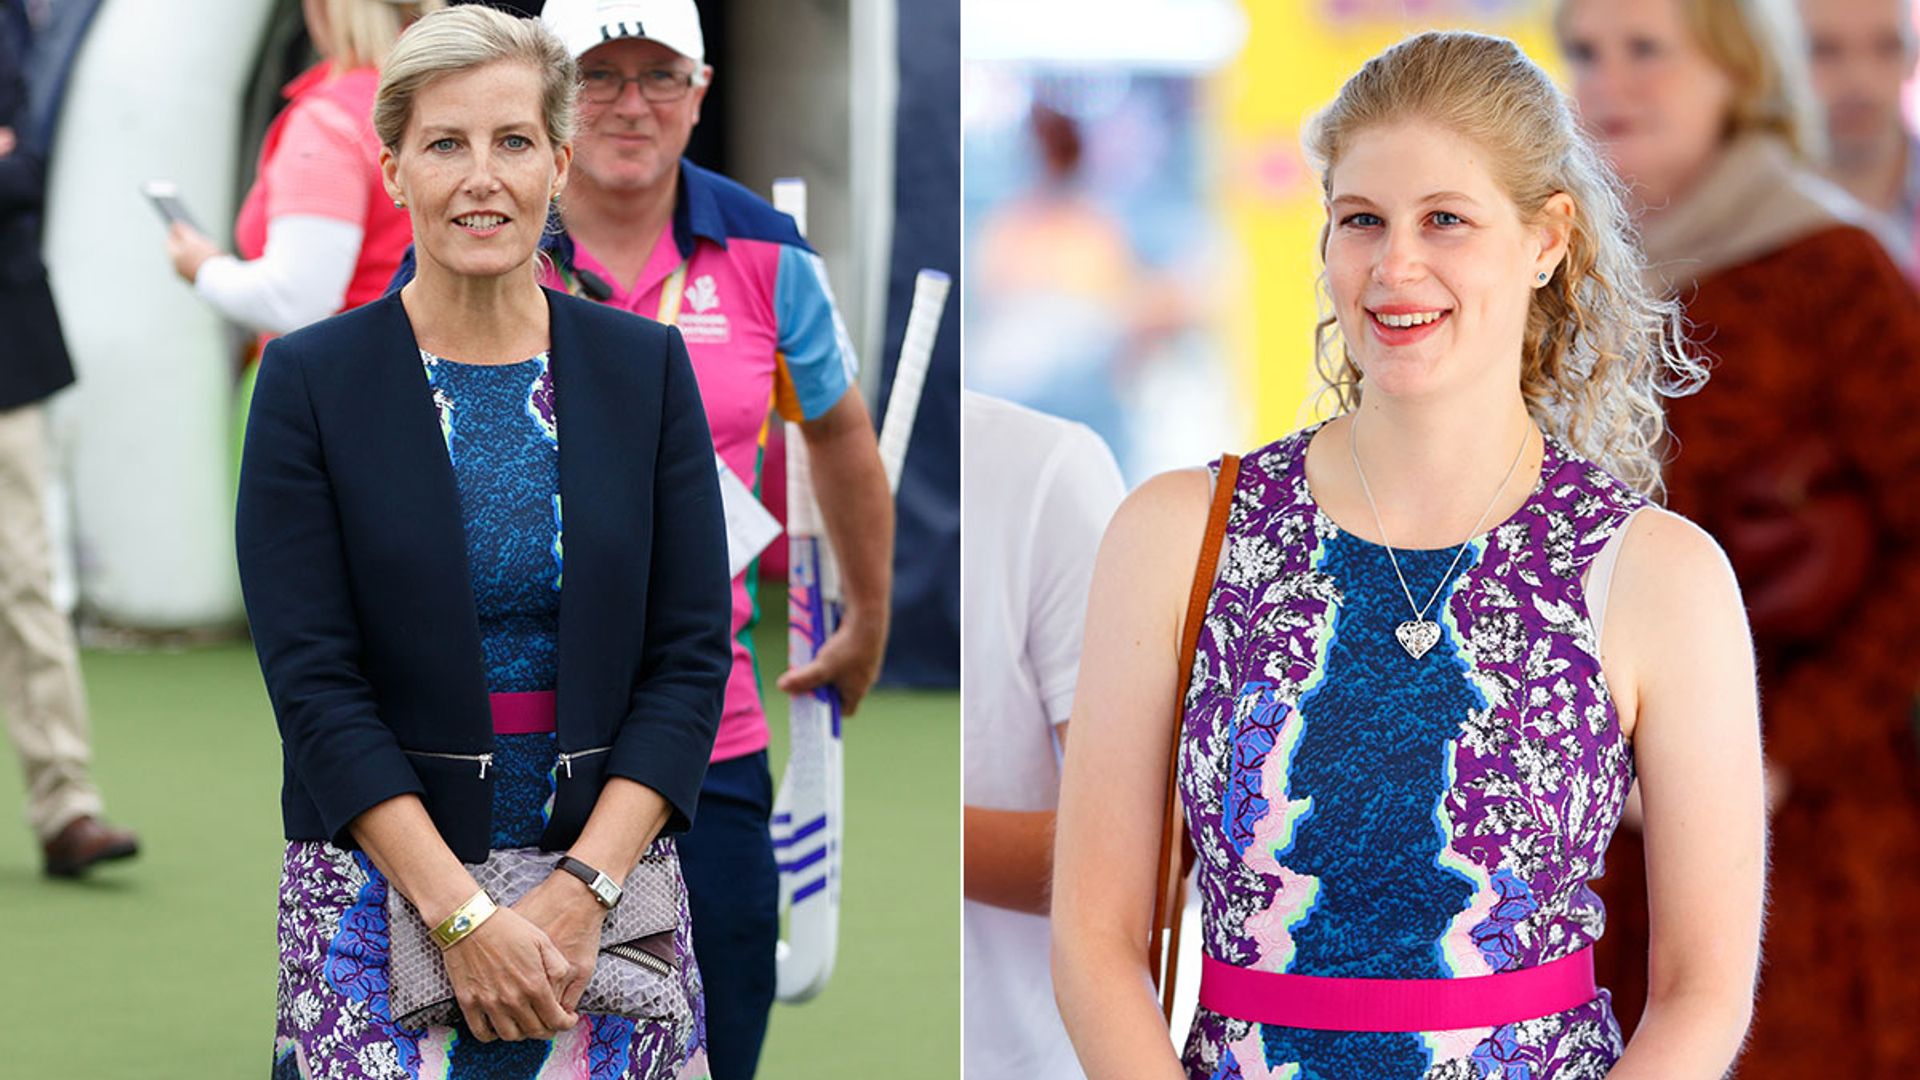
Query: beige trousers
[[40, 690]]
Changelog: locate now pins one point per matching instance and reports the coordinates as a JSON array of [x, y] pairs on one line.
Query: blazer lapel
[[411, 449], [580, 409]]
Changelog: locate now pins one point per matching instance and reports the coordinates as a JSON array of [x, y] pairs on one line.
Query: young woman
[[1448, 630], [483, 555]]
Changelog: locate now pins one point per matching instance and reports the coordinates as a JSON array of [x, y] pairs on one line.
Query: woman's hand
[[188, 249], [572, 919], [507, 975]]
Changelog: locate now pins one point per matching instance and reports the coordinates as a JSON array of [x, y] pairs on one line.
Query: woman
[[1404, 762], [401, 542], [1802, 459], [316, 233]]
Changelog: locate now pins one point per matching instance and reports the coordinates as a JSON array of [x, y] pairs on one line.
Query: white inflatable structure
[[156, 92]]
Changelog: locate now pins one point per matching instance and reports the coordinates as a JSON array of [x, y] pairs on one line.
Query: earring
[[398, 205], [1543, 277]]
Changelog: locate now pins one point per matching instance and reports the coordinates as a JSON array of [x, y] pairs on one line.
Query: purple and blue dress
[[1358, 813], [333, 1020]]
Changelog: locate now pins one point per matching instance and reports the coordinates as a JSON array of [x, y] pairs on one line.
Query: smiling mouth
[[1404, 320], [481, 222]]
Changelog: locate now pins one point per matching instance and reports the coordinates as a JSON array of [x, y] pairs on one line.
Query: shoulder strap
[[1163, 950]]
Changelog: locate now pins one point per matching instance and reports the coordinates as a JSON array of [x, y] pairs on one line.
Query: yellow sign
[[1297, 55]]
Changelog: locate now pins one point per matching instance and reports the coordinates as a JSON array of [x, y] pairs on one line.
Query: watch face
[[606, 890]]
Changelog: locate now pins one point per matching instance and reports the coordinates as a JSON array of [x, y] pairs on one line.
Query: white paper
[[750, 528]]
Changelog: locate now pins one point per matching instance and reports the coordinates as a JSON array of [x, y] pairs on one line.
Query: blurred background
[[1140, 221]]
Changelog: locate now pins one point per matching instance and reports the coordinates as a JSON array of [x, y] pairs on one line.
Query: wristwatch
[[604, 888]]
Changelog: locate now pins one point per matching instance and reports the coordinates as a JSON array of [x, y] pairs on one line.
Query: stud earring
[[1543, 277], [398, 205]]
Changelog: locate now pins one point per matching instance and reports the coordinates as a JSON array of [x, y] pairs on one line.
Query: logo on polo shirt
[[702, 325]]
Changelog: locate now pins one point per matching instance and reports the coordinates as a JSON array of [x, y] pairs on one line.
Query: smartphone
[[166, 199]]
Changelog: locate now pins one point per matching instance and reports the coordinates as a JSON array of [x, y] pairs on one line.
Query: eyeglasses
[[603, 86]]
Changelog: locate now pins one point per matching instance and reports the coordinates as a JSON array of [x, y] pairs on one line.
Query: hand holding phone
[[166, 199]]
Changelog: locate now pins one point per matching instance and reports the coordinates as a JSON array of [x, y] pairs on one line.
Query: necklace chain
[[1420, 612]]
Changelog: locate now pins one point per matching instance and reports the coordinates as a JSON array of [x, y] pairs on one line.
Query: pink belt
[[1329, 1004], [530, 713]]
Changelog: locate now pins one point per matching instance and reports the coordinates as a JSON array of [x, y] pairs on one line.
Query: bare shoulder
[[1164, 518], [1677, 603], [1669, 557], [1148, 553]]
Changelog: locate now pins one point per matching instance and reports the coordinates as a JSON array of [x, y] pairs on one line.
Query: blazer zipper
[[640, 956], [566, 760], [485, 760]]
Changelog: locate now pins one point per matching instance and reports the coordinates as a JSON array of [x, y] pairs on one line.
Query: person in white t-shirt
[[1036, 493]]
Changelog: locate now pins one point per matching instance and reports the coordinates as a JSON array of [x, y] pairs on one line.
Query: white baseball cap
[[583, 24]]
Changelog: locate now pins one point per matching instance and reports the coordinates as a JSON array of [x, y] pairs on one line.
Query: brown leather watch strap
[[589, 877]]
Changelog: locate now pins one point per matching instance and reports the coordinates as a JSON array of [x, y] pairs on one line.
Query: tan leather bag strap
[[1163, 941]]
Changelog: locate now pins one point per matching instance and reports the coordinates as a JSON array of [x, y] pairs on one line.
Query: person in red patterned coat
[[1801, 458]]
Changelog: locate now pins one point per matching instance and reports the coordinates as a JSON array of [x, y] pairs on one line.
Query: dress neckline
[[430, 358], [1550, 461]]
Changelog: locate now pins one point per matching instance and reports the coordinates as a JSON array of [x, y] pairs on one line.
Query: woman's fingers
[[476, 1017], [509, 976], [567, 978], [506, 1026]]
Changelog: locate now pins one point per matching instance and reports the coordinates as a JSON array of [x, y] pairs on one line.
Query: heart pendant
[[1418, 636]]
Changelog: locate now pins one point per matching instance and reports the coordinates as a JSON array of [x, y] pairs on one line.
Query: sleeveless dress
[[333, 1018], [1357, 813]]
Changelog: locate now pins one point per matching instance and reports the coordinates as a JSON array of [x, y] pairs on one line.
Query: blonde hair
[[360, 33], [458, 39], [1600, 349], [1761, 47]]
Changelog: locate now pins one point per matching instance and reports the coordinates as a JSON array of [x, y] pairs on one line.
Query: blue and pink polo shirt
[[762, 329], [763, 333]]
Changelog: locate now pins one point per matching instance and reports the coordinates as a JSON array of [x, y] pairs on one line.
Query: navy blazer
[[33, 353], [353, 564]]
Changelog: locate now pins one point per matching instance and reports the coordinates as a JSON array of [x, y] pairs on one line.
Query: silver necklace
[[1420, 633]]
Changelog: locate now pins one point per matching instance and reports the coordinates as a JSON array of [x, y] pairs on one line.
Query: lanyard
[[672, 291]]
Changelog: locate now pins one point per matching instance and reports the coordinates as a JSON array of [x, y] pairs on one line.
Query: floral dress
[[1358, 813], [333, 1017]]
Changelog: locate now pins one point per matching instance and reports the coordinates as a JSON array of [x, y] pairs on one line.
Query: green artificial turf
[[164, 967]]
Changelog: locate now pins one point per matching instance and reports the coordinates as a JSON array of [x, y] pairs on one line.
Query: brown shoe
[[86, 841]]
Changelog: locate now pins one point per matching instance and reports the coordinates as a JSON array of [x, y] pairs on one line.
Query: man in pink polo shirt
[[654, 234]]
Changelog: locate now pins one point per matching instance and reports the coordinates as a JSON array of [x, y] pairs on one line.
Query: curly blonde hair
[[1600, 349]]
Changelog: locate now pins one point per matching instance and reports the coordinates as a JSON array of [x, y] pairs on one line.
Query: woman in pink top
[[316, 234]]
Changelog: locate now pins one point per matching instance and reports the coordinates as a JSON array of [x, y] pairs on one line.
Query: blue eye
[[443, 145], [1446, 219], [1361, 220], [518, 142]]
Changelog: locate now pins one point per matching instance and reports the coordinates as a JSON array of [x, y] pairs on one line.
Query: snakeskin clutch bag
[[636, 975]]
